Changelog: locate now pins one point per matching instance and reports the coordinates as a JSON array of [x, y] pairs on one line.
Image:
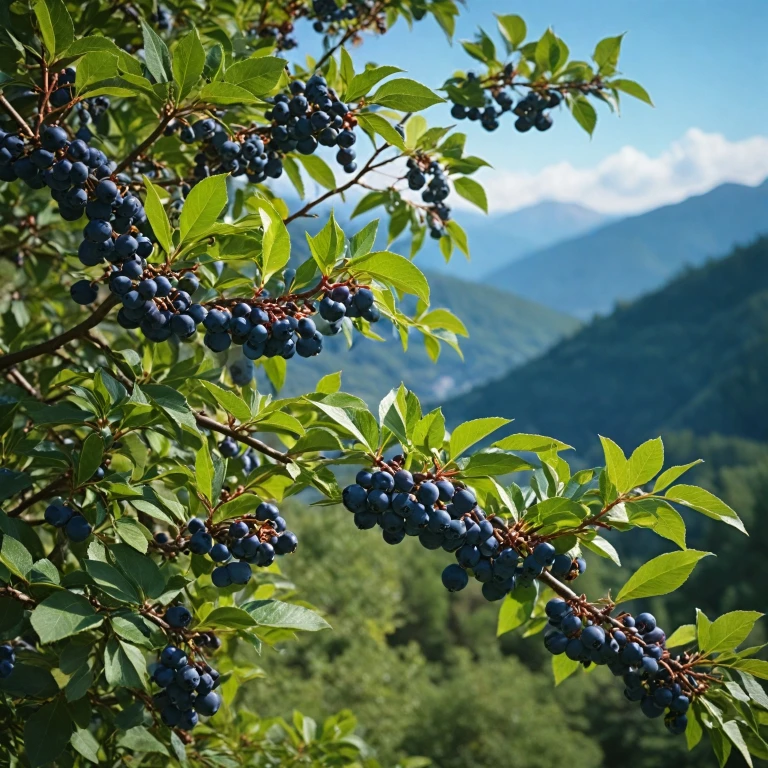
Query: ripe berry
[[404, 481], [544, 553], [195, 524], [178, 616], [78, 528], [464, 501], [556, 642], [593, 637], [208, 704], [645, 622], [428, 494], [454, 578], [187, 678], [58, 514], [173, 657], [571, 624]]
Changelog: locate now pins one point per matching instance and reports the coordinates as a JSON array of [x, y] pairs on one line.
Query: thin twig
[[5, 104]]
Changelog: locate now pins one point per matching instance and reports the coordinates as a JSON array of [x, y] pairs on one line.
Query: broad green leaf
[[617, 465], [84, 742], [139, 739], [342, 418], [491, 464], [90, 458], [93, 68], [660, 576], [585, 114], [632, 88], [684, 635], [318, 170], [229, 401], [471, 190], [442, 318], [733, 732], [204, 472], [545, 511], [754, 689], [329, 383], [458, 236], [112, 582], [361, 243], [405, 95], [394, 270], [532, 443], [381, 126], [606, 54], [91, 43], [124, 665], [327, 245], [363, 82], [203, 207], [730, 630], [141, 570], [516, 609], [705, 502], [347, 67], [226, 93], [257, 75], [670, 525], [471, 432], [754, 667], [133, 533], [188, 63], [702, 628], [646, 462], [156, 54], [229, 617], [62, 614], [668, 476], [275, 242], [16, 557], [56, 27], [602, 547], [563, 667], [274, 613], [172, 403], [157, 216], [513, 29], [47, 733]]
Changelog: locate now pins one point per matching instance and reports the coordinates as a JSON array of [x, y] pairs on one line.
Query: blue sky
[[704, 62]]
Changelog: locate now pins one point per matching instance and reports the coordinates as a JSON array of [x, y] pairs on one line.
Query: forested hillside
[[690, 356]]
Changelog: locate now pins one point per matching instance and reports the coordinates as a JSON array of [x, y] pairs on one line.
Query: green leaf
[[157, 216], [361, 243], [646, 462], [203, 207], [602, 547], [204, 472], [93, 68], [188, 63], [584, 113], [56, 27], [754, 689], [670, 525], [124, 665], [257, 75], [112, 582], [606, 54], [274, 613], [732, 731], [381, 126], [631, 88], [133, 533], [90, 458], [616, 465], [84, 742], [702, 628], [513, 29], [668, 476], [563, 667], [141, 570], [47, 733], [684, 635], [533, 443], [491, 464], [229, 617], [275, 242], [229, 401], [342, 418], [156, 54], [471, 432], [139, 739], [405, 95], [63, 614], [347, 67], [318, 170], [16, 557], [226, 93], [362, 83], [729, 631], [705, 502], [172, 403], [471, 190], [327, 245], [394, 270], [660, 576], [516, 609], [754, 667]]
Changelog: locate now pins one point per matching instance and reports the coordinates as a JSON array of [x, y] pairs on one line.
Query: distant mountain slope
[[504, 329], [693, 356], [625, 259]]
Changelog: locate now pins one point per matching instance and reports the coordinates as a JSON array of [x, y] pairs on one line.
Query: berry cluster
[[328, 15], [229, 448], [7, 660], [341, 302], [531, 110], [252, 540], [280, 34], [444, 515], [419, 168], [189, 689], [632, 648], [88, 110], [74, 525]]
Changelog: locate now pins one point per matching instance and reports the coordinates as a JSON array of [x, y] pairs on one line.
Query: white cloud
[[630, 181]]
